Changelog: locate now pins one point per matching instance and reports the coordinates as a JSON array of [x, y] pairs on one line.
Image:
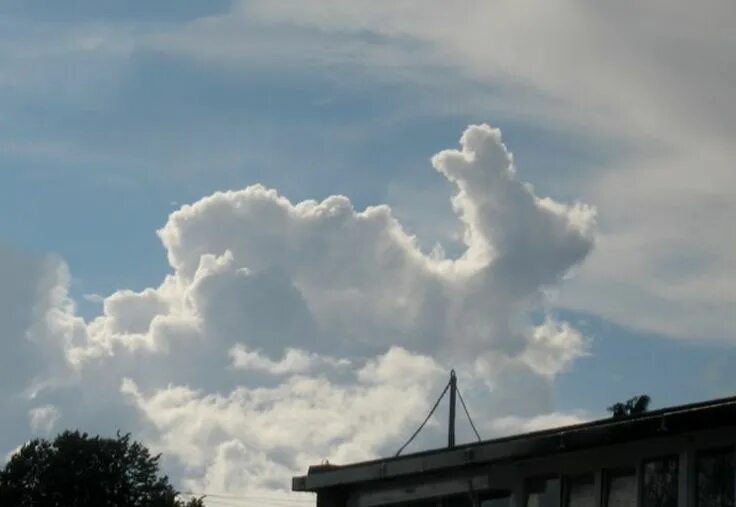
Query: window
[[489, 498], [580, 491], [543, 492], [714, 478], [621, 488], [496, 499], [457, 501], [446, 501], [660, 483]]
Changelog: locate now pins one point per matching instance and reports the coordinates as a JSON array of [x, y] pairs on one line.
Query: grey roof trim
[[668, 421]]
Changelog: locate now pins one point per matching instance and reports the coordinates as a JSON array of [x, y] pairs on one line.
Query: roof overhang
[[660, 423]]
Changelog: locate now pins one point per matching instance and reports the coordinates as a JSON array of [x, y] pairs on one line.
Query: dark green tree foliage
[[76, 470], [632, 406]]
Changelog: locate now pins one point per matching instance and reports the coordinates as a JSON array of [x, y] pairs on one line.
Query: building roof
[[668, 421]]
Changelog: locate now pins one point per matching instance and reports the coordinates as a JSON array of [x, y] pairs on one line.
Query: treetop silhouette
[[76, 470]]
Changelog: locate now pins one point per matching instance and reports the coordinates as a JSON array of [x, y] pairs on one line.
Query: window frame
[[542, 477], [721, 449], [619, 471], [677, 458], [566, 487], [496, 494]]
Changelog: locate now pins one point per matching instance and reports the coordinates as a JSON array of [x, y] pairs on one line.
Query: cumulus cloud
[[513, 424], [29, 356], [43, 419], [553, 346], [293, 361], [303, 417], [649, 84], [287, 333]]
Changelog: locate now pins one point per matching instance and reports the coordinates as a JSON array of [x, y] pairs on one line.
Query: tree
[[76, 470], [632, 406]]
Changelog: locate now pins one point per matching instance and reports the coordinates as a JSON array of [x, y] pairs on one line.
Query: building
[[675, 457]]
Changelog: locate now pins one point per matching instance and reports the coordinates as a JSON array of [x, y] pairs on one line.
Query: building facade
[[676, 457]]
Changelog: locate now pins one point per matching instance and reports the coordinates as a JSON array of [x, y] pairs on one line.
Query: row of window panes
[[714, 485], [487, 499]]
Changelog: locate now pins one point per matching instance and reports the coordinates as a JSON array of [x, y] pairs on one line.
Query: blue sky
[[114, 115]]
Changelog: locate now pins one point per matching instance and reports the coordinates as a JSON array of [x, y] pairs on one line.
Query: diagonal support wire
[[436, 404], [467, 413]]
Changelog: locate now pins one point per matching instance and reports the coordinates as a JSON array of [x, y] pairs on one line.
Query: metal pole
[[451, 423]]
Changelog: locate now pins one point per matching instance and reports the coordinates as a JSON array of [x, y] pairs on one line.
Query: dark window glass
[[447, 501], [457, 501], [714, 478], [419, 503], [580, 491], [621, 488], [660, 483], [500, 499], [543, 492]]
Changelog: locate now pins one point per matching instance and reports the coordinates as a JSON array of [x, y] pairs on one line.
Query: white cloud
[[243, 471], [93, 298], [293, 361], [43, 419], [362, 278], [303, 418], [10, 454], [234, 362], [28, 357], [512, 425], [288, 333], [650, 83], [553, 347]]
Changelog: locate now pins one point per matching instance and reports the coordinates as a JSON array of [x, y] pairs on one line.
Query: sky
[[258, 235]]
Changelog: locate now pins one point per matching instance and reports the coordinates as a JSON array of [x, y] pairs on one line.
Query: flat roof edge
[[703, 415]]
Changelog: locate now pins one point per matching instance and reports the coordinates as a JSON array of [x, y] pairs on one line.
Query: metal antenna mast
[[454, 394], [451, 422]]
